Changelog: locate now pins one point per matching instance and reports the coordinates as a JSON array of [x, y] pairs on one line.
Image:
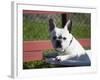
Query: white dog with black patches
[[64, 42]]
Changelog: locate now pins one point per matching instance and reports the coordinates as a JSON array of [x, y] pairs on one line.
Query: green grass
[[33, 30], [81, 31], [35, 64], [39, 64]]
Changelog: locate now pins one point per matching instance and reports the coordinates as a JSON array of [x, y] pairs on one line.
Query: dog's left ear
[[68, 26], [52, 24]]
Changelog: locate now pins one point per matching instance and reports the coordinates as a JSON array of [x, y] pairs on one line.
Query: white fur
[[74, 50]]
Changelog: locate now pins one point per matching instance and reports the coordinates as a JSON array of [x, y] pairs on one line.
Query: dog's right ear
[[68, 26], [52, 24]]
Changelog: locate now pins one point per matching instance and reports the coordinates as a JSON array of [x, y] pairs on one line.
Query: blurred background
[[35, 24]]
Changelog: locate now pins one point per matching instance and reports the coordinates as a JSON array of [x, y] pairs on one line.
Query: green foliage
[[35, 27], [50, 53], [81, 31], [35, 30], [36, 65]]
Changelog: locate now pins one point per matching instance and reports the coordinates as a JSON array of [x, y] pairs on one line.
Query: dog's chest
[[75, 48]]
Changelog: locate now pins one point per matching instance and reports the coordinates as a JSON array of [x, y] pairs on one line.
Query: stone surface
[[73, 62]]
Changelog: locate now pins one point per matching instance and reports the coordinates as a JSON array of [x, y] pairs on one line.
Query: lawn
[[33, 30]]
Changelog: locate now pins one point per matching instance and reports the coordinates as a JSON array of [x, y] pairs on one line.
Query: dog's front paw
[[58, 58], [63, 58]]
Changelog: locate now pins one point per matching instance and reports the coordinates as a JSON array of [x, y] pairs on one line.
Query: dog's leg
[[66, 57]]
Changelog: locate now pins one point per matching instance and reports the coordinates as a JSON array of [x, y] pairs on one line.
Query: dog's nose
[[58, 44]]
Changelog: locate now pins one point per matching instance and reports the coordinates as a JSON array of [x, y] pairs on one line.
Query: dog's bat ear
[[68, 25], [52, 24]]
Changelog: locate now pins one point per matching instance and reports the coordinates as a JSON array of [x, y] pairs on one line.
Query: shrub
[[37, 64], [50, 54]]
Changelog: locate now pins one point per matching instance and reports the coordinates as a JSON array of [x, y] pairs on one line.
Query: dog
[[65, 42]]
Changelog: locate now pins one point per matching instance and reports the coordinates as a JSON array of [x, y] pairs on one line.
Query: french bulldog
[[65, 42]]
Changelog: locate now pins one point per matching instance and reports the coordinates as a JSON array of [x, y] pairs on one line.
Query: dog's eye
[[60, 37], [54, 37], [64, 38]]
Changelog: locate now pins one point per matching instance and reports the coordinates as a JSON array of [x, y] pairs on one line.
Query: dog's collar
[[71, 41]]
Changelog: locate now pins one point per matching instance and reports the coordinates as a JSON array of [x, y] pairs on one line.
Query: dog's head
[[60, 37]]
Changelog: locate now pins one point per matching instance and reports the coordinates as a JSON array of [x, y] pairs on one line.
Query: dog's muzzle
[[58, 44]]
